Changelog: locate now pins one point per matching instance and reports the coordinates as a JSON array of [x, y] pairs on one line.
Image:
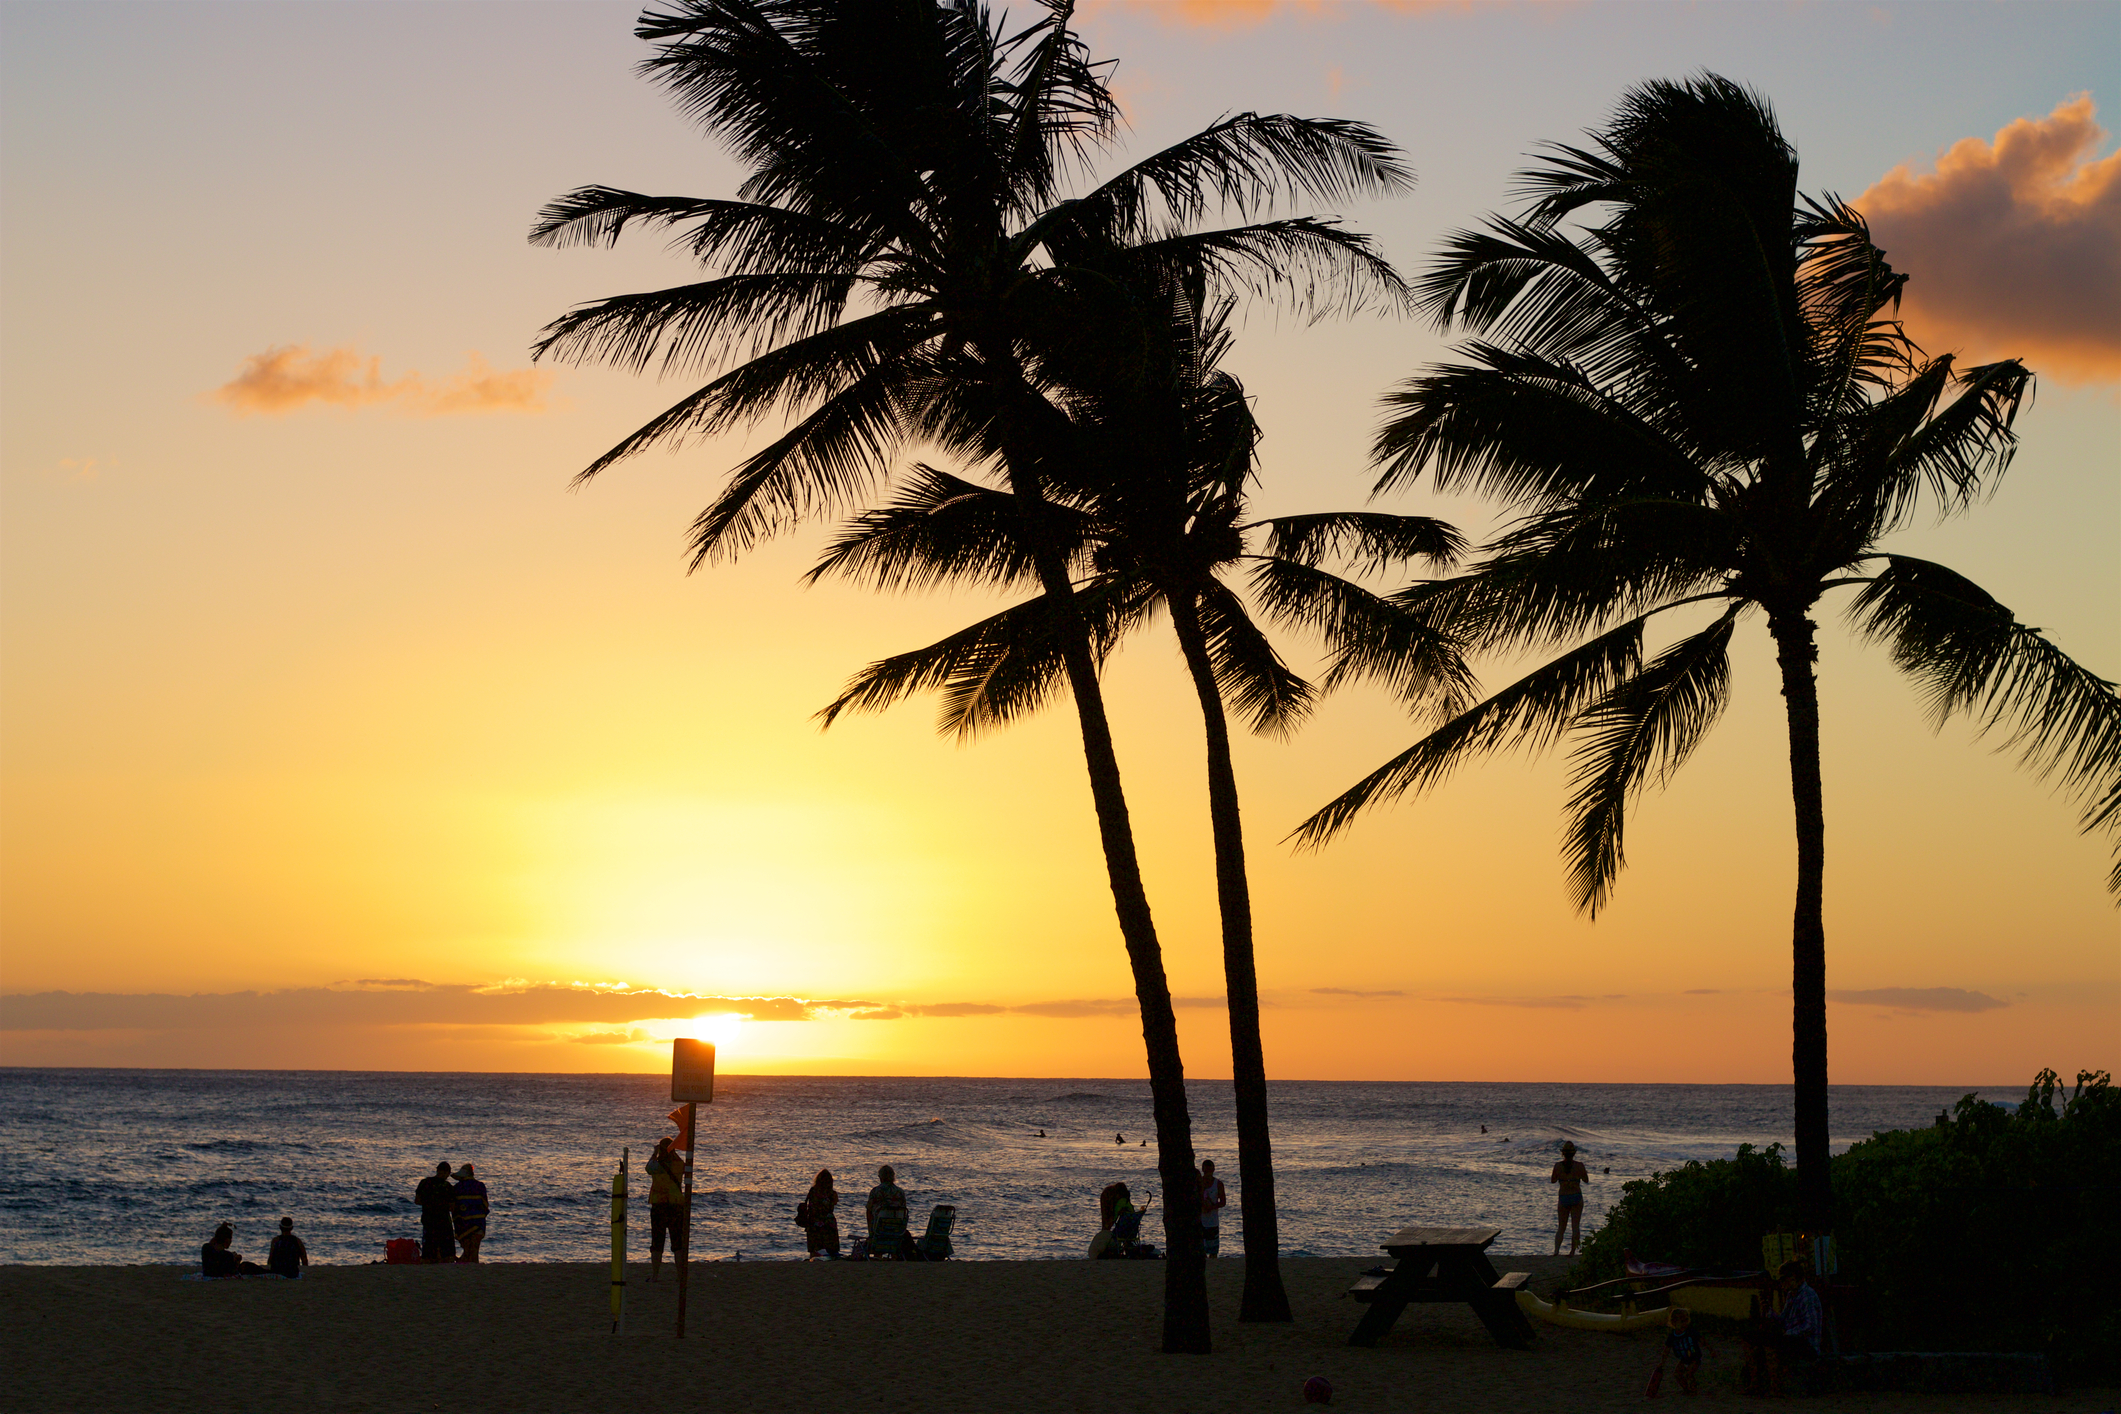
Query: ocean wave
[[1077, 1097]]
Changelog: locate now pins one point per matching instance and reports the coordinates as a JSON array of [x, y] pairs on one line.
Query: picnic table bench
[[1441, 1264]]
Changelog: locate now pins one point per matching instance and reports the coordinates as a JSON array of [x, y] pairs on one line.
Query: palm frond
[[1970, 654], [1525, 430], [701, 327], [1369, 636], [940, 529], [1529, 713], [1373, 541], [742, 236], [1313, 264], [1644, 728], [1253, 679]]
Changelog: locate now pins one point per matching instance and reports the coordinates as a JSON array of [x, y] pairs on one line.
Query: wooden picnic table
[[1441, 1264]]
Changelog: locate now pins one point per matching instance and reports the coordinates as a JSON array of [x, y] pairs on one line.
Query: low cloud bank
[[2013, 246], [285, 378], [1920, 999]]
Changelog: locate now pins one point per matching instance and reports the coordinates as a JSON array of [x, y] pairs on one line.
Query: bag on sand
[[401, 1251], [1656, 1381], [802, 1213]]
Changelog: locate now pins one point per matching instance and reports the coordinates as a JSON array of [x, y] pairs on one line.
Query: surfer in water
[[1570, 1175]]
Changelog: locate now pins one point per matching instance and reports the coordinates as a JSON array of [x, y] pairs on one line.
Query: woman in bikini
[[1570, 1175]]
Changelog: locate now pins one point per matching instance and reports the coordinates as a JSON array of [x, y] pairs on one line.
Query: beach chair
[[887, 1240], [934, 1244], [1126, 1232]]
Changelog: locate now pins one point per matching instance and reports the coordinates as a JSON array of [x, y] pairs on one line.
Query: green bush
[[1991, 1230]]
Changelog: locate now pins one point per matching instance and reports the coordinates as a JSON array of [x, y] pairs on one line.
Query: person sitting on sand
[[823, 1229], [215, 1260], [1570, 1175], [288, 1255], [472, 1210], [886, 1212]]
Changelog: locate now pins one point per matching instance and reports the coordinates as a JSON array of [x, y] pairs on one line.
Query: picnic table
[[1441, 1264]]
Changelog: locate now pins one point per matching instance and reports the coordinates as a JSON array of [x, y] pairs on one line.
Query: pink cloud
[[1243, 14], [2013, 247], [284, 378]]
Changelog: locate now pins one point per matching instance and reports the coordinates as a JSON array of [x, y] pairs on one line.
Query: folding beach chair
[[888, 1238], [934, 1244]]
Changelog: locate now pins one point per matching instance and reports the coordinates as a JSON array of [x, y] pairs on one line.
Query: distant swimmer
[[1119, 1138], [1042, 1134], [1483, 1129], [1145, 1143]]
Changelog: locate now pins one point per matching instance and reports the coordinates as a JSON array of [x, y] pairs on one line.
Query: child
[[1683, 1347]]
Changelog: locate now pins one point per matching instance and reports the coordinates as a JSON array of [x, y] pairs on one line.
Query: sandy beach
[[1015, 1336]]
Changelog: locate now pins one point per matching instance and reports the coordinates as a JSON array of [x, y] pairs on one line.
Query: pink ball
[[1318, 1390]]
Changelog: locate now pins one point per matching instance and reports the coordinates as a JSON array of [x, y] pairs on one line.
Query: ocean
[[116, 1166]]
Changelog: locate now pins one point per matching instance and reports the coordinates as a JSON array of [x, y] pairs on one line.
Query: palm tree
[[1703, 401], [1153, 518], [899, 245]]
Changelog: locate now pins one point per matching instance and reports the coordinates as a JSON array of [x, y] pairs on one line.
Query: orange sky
[[315, 673]]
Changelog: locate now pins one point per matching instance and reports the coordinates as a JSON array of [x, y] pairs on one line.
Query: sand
[[771, 1336]]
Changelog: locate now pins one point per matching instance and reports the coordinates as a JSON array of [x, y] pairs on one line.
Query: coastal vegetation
[[1701, 401], [1986, 1231]]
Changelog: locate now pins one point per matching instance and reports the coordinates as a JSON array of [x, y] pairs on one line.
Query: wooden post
[[692, 1138]]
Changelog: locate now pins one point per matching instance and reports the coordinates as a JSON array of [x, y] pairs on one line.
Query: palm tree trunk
[[1185, 1267], [1797, 652], [1264, 1297]]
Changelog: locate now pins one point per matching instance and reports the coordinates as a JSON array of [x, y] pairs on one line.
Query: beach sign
[[692, 1072]]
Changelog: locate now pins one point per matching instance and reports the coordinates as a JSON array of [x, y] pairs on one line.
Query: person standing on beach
[[823, 1227], [886, 1212], [437, 1198], [1213, 1199], [666, 1204], [472, 1210], [1570, 1175]]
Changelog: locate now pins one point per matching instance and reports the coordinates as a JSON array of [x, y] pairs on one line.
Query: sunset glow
[[340, 733]]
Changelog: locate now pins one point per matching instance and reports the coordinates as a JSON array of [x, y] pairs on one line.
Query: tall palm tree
[[899, 244], [1703, 401], [1156, 471]]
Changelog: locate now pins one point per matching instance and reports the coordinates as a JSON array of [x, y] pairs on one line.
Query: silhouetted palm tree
[[1156, 470], [1701, 401], [900, 243]]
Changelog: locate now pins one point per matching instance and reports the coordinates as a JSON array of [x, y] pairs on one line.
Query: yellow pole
[[618, 1244]]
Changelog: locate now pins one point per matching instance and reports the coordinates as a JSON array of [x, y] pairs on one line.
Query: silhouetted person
[[886, 1212], [216, 1260], [1569, 1211], [1794, 1342], [822, 1232], [666, 1204], [288, 1255], [1119, 1138], [472, 1210], [437, 1198], [1213, 1199]]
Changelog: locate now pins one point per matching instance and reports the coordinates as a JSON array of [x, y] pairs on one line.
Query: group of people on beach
[[453, 1212], [285, 1258]]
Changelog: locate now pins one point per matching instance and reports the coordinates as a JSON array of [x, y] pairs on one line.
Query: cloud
[[1244, 14], [1920, 999], [396, 1002], [1703, 992], [1565, 1003], [1109, 1006], [612, 1038], [2013, 247], [1351, 992], [955, 1009], [284, 378]]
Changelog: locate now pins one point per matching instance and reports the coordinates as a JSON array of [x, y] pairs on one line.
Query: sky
[[337, 732]]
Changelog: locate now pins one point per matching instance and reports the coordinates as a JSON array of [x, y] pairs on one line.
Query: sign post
[[691, 1081], [618, 1244]]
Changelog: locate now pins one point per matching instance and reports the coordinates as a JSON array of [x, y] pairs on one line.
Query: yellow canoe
[[1560, 1314]]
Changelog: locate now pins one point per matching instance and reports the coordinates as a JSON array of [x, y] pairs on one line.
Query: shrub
[[1986, 1231]]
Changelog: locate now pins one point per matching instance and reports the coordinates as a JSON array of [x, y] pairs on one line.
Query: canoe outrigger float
[[1737, 1295]]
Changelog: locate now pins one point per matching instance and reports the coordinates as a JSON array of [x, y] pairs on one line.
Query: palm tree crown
[[1703, 400]]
